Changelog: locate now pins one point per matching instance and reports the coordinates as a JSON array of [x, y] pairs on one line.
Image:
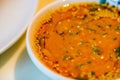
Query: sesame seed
[[102, 57]]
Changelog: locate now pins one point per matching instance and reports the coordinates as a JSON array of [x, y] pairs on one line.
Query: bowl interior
[[33, 27]]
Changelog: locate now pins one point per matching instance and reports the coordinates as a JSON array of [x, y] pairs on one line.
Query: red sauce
[[81, 39]]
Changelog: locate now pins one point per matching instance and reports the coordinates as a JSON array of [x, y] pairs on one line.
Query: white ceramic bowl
[[32, 28]]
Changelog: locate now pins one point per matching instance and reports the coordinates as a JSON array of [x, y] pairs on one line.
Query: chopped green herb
[[115, 38], [118, 51], [93, 9], [65, 57], [70, 33], [77, 52], [96, 50], [93, 30], [103, 6], [80, 65], [117, 28], [110, 9]]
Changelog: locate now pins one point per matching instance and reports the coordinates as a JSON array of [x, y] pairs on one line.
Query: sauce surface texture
[[81, 41]]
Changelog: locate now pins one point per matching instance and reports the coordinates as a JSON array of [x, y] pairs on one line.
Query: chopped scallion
[[96, 50], [117, 51], [117, 28]]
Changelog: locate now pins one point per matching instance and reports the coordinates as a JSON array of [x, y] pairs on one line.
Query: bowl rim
[[51, 74]]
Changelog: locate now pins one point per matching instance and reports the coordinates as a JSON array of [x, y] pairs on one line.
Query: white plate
[[15, 64], [14, 15]]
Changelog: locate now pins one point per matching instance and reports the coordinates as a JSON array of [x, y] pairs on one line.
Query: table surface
[[15, 63]]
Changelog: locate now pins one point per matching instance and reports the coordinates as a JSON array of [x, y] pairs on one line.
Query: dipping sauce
[[81, 41]]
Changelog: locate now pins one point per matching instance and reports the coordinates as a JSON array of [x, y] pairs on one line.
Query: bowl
[[33, 25]]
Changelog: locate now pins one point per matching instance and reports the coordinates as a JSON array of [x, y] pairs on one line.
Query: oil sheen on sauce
[[81, 40]]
